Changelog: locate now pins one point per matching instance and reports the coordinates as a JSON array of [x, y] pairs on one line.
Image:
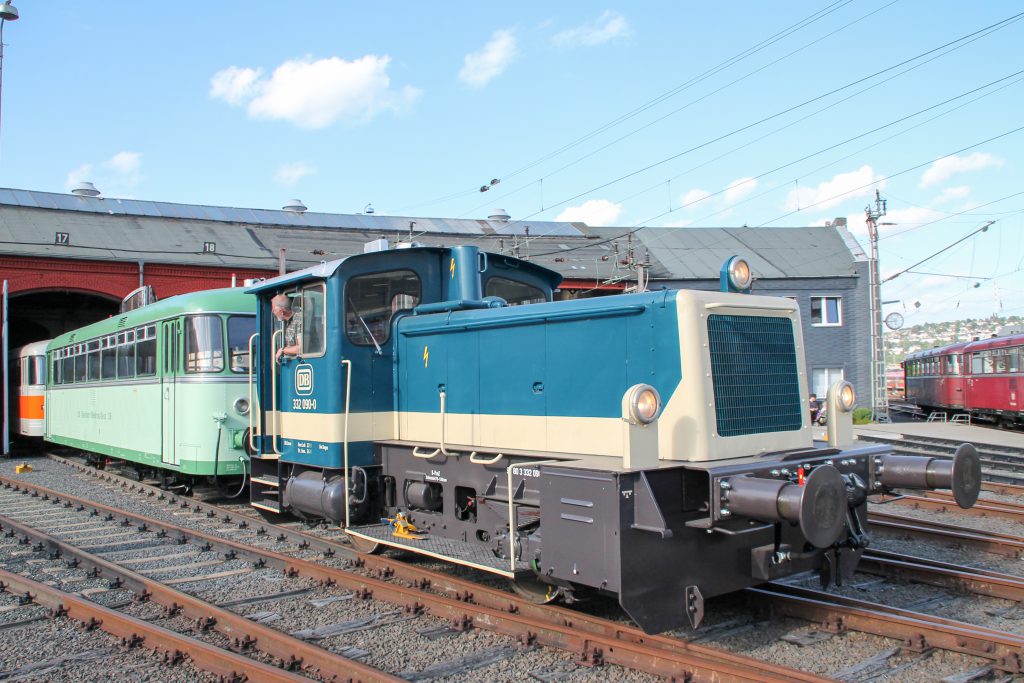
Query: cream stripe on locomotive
[[601, 436]]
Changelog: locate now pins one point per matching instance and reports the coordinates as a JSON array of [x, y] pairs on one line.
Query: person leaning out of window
[[282, 307]]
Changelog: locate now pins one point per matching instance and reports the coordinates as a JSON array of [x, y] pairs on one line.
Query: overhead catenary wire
[[983, 32], [748, 52], [966, 237]]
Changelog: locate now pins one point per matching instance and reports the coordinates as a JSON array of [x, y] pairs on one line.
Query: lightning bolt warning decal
[[452, 268], [426, 355]]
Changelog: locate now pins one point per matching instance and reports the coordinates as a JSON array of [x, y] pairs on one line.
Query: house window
[[823, 378], [826, 311]]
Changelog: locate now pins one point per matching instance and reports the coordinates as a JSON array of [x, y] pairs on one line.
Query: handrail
[[348, 388], [416, 451], [252, 358], [480, 461], [273, 388]]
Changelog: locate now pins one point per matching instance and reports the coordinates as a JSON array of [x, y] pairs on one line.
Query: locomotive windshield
[[513, 292], [371, 301]]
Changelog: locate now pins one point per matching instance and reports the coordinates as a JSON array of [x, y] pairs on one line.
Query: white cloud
[[315, 93], [115, 177], [81, 174], [480, 67], [595, 212], [738, 189], [289, 174], [695, 196], [234, 85], [125, 162], [840, 188], [945, 168], [953, 193], [608, 26]]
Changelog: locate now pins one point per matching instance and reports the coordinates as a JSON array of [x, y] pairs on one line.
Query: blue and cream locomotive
[[656, 446]]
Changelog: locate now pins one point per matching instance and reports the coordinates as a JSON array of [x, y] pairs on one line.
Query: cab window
[[515, 293], [371, 301]]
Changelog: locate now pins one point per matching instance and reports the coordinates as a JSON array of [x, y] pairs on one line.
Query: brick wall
[[113, 279]]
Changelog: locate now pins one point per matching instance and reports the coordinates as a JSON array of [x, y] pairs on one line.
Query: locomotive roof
[[228, 300], [329, 268]]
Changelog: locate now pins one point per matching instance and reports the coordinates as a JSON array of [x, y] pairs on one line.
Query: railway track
[[136, 632], [999, 650], [999, 464], [418, 591]]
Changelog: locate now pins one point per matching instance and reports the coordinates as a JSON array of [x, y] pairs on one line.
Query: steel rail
[[608, 643], [945, 503], [988, 541], [944, 575], [135, 632], [1013, 510], [919, 632], [244, 633], [1002, 489], [460, 589]]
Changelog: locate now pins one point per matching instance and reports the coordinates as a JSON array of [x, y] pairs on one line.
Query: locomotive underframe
[[660, 539]]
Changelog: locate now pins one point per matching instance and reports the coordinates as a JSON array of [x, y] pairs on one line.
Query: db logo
[[304, 379]]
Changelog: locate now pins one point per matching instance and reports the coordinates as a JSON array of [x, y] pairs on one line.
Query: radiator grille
[[754, 374]]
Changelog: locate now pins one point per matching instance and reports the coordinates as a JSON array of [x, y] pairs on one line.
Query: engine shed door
[[168, 372]]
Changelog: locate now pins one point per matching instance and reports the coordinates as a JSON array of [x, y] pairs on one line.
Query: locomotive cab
[[655, 446]]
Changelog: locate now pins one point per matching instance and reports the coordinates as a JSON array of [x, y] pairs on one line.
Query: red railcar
[[995, 381], [983, 378], [936, 378]]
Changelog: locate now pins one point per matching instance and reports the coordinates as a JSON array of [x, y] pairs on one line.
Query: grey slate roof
[[130, 230]]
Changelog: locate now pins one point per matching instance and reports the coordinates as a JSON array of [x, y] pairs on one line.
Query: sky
[[637, 115]]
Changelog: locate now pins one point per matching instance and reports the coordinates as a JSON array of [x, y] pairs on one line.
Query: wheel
[[535, 590], [365, 546]]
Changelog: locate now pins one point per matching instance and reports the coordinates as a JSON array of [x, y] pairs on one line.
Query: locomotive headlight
[[739, 273], [241, 406], [846, 397], [644, 403]]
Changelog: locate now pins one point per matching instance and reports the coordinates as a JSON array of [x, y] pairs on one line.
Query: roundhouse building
[[69, 259]]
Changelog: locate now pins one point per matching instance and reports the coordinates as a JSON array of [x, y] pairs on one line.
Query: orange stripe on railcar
[[31, 408]]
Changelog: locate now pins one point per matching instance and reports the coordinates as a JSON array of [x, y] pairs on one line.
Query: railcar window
[[79, 363], [145, 351], [108, 357], [240, 328], [37, 370], [204, 344], [94, 360], [126, 355], [313, 316], [1013, 361], [55, 368], [371, 302], [515, 293]]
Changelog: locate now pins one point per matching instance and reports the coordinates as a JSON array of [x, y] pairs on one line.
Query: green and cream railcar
[[164, 386]]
